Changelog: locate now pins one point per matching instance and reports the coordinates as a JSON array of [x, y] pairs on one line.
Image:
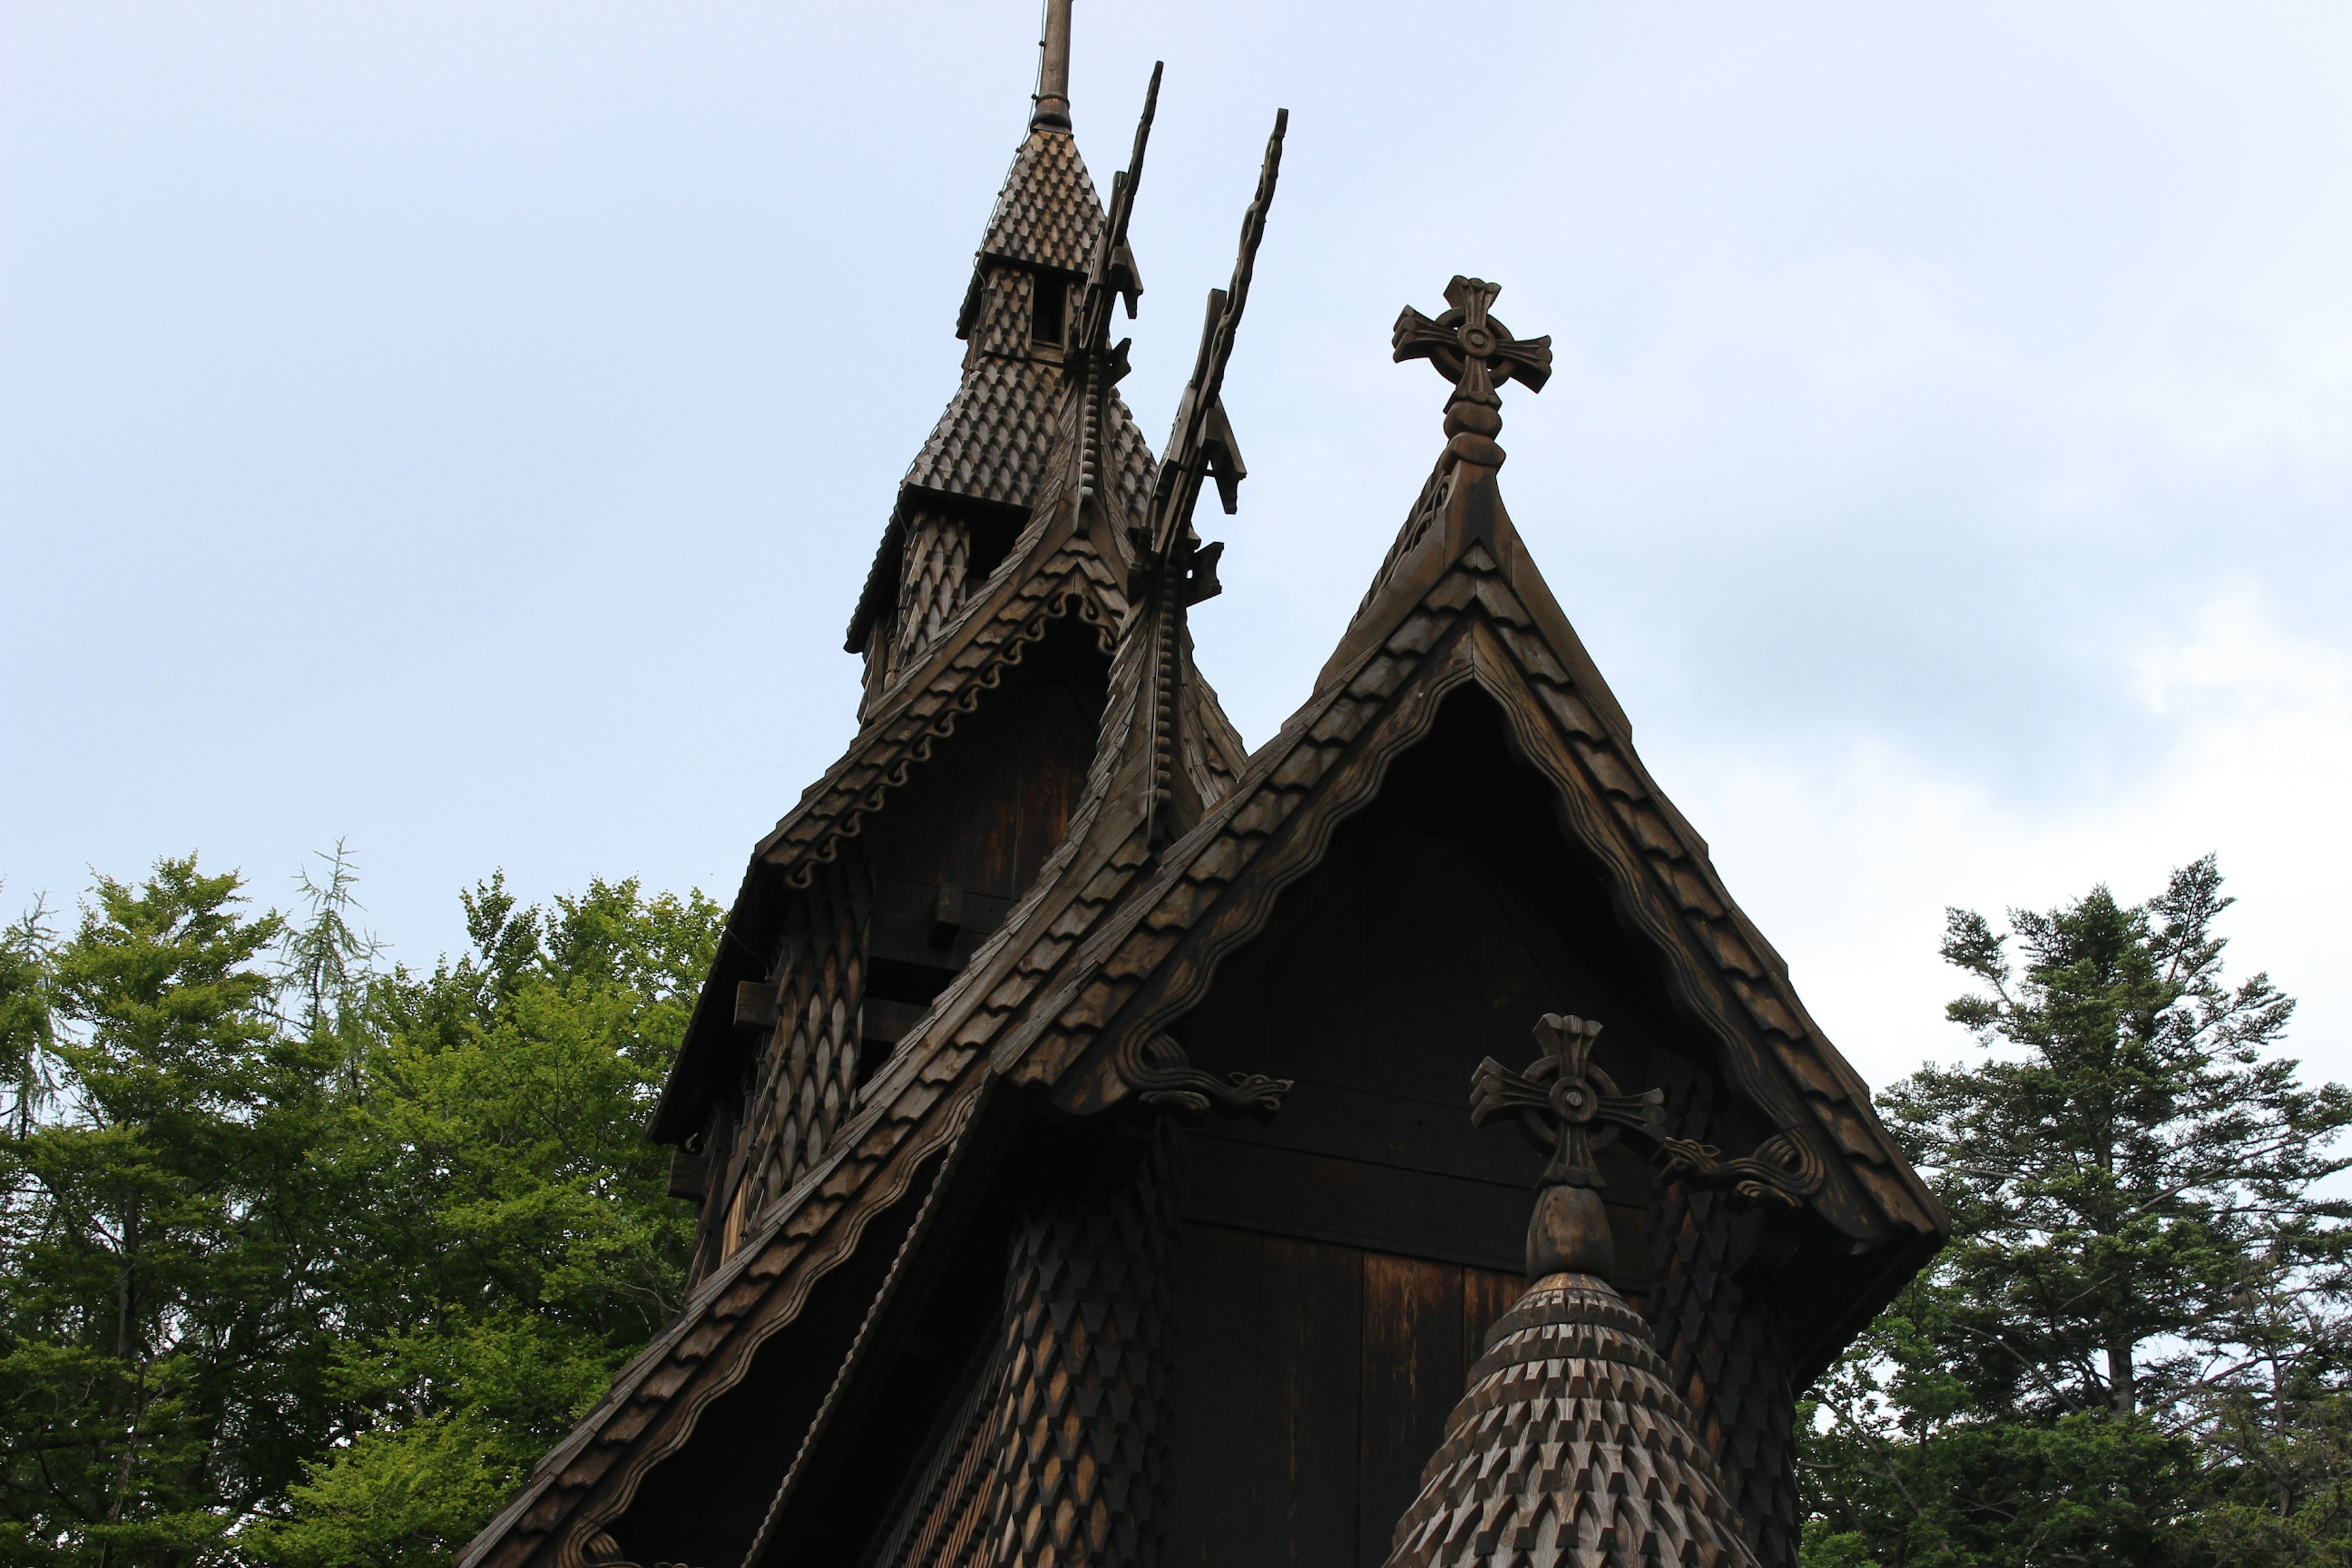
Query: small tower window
[[1048, 300]]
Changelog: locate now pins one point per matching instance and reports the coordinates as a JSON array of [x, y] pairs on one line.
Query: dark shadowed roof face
[[1048, 214]]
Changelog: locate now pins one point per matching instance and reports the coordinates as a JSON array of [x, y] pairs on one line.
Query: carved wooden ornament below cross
[[1477, 353], [1565, 1101]]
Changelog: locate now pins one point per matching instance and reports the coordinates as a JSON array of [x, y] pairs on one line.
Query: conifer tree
[[302, 1260], [2142, 1297], [151, 1389]]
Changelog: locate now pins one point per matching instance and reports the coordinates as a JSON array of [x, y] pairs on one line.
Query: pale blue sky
[[464, 427]]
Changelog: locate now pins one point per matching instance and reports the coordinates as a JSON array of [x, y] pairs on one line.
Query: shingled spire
[[1570, 1448], [972, 487]]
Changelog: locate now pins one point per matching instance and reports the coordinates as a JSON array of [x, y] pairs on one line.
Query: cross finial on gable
[[1477, 353], [1567, 1103], [1565, 1099]]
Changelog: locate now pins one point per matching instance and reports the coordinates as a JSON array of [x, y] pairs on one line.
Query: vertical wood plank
[[1310, 1387], [1412, 1378], [1216, 1451], [1487, 1295]]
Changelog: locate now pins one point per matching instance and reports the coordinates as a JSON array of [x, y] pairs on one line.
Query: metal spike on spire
[[1053, 68]]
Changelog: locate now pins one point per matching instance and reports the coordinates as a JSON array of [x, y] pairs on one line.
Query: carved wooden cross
[[1474, 350], [1565, 1101], [1568, 1104]]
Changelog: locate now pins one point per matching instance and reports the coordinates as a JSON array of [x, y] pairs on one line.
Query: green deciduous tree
[[305, 1261], [517, 1244], [2131, 1347]]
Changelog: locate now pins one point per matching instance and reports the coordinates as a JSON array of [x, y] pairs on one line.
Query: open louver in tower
[[1080, 1107]]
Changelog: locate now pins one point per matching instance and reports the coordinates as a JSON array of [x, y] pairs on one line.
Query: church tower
[[1080, 1109], [969, 489], [987, 632]]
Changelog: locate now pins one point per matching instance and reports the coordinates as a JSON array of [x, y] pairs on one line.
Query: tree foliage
[[306, 1260], [2134, 1348]]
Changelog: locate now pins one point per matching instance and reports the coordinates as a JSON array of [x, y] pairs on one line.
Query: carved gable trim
[[1330, 761]]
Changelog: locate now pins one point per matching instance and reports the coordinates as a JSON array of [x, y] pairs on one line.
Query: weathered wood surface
[[1424, 941], [1312, 1381]]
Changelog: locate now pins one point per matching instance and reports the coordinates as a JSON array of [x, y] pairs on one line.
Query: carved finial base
[[1569, 1234]]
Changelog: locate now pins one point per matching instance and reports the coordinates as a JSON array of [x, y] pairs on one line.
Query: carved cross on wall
[[1566, 1103], [1564, 1099], [1474, 352]]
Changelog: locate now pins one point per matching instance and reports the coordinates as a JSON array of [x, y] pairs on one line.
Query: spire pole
[[1054, 70]]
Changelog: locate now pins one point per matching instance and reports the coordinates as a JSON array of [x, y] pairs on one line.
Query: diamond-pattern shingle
[[1571, 1450], [991, 443], [1047, 214]]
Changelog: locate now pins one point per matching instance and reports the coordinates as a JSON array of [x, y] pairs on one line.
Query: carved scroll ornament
[[1156, 1067]]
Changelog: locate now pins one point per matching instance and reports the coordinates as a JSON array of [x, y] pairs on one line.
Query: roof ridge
[[1460, 506]]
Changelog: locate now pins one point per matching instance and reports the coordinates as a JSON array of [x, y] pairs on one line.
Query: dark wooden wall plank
[[994, 799], [1312, 1325], [1311, 1383], [1214, 1433], [1487, 1295], [1442, 922], [1445, 917], [1412, 1375], [1255, 1186]]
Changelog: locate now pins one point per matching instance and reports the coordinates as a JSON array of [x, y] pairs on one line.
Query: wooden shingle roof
[[1047, 214], [1571, 1449], [1073, 997], [990, 444]]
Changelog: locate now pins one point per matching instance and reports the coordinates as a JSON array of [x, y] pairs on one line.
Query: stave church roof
[[1571, 1445]]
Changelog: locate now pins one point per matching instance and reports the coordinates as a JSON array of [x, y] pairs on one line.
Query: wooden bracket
[[947, 915], [1164, 1077]]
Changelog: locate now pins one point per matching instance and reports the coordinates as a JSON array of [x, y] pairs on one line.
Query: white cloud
[[1847, 860]]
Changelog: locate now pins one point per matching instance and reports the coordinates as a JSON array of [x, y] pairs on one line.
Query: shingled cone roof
[[1571, 1449], [990, 444]]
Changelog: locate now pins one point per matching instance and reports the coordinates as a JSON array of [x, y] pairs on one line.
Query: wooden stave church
[[1077, 1107]]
